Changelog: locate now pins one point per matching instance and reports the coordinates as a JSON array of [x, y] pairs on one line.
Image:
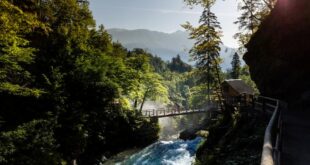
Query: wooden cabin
[[236, 91]]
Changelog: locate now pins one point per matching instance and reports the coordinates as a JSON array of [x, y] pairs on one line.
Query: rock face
[[279, 52]]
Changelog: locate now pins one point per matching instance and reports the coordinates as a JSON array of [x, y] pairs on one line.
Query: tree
[[15, 52], [22, 136], [158, 64], [70, 82], [207, 46], [177, 65], [236, 68], [144, 82], [253, 12], [245, 76], [154, 89]]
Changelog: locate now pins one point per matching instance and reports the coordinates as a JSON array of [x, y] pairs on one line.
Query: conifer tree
[[253, 13], [235, 63], [207, 46]]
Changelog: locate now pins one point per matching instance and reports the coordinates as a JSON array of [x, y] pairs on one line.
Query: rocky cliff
[[279, 52]]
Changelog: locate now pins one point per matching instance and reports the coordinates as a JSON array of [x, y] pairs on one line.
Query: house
[[237, 91]]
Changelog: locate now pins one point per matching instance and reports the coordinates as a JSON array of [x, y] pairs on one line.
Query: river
[[174, 152], [168, 150]]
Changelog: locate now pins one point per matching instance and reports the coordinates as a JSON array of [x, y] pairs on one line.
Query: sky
[[162, 15]]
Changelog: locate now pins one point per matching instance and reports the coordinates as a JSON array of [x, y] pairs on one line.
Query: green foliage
[[177, 65], [244, 74], [236, 66], [15, 51], [158, 64], [207, 47], [71, 84], [198, 98], [179, 88], [239, 143], [246, 77], [30, 143], [253, 12], [145, 84], [200, 2]]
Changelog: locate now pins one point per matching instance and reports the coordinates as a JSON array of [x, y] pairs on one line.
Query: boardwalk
[[158, 113], [287, 136], [295, 137]]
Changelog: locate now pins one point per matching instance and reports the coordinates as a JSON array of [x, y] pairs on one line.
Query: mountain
[[164, 45]]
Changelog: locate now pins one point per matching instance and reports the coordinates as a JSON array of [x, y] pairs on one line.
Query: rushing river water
[[175, 152], [169, 150]]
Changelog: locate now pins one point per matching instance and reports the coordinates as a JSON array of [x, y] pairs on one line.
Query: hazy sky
[[162, 15]]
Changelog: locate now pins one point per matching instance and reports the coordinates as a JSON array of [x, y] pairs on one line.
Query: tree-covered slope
[[164, 45]]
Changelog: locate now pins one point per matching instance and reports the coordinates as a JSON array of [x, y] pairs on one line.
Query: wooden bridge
[[158, 113]]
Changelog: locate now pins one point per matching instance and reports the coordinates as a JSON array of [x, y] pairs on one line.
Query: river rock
[[188, 134]]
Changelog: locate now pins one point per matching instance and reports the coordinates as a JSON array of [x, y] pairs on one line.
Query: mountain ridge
[[164, 45]]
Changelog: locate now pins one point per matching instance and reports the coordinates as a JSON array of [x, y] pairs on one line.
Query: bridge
[[287, 136], [162, 112]]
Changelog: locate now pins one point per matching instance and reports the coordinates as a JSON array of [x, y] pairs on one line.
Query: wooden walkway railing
[[158, 113], [271, 154]]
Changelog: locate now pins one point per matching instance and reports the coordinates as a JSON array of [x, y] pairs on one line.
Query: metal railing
[[271, 154], [163, 112]]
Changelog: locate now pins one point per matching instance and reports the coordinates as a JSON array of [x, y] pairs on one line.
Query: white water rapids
[[175, 152], [169, 150]]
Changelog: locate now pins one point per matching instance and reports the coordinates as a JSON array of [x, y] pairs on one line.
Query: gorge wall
[[279, 52]]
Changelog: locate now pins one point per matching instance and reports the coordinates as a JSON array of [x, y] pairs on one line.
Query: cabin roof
[[239, 86]]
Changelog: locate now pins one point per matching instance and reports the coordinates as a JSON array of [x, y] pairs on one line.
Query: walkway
[[296, 137], [158, 113]]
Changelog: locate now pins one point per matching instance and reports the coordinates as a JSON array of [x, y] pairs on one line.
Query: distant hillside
[[164, 45]]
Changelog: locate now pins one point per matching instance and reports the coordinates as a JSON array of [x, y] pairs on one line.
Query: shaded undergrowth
[[238, 140]]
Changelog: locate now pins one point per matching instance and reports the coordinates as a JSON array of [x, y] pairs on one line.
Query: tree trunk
[[219, 83], [135, 104], [143, 101]]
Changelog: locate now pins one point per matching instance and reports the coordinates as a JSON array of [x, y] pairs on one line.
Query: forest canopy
[[69, 94]]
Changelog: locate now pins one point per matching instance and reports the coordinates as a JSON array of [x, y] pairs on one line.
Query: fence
[[271, 154], [163, 112]]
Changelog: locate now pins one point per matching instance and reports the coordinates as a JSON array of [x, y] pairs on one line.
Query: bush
[[31, 143]]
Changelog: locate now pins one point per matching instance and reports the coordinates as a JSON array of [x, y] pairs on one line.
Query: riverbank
[[169, 147], [122, 156], [238, 141]]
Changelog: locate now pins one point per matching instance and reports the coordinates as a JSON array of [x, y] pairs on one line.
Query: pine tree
[[253, 12], [235, 64], [207, 46]]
